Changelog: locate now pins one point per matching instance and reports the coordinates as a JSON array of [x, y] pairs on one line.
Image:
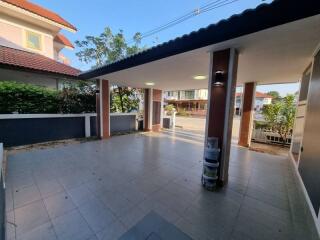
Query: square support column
[[156, 109], [103, 109], [221, 94], [147, 118], [248, 99], [152, 109], [98, 121]]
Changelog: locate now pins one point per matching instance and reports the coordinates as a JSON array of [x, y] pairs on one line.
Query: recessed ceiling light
[[149, 83], [199, 77]]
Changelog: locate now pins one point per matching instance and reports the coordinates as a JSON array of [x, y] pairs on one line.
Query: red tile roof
[[33, 61], [258, 95], [63, 40], [43, 12], [262, 95]]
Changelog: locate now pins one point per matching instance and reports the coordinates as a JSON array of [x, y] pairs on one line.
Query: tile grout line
[[241, 204], [42, 200], [77, 208], [14, 216]]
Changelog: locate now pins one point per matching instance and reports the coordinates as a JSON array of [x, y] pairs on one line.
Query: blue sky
[[91, 17]]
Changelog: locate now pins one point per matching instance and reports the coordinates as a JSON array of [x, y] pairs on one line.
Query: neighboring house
[[195, 101], [261, 99], [31, 44]]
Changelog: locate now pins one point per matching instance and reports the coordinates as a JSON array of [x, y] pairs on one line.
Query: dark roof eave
[[253, 20], [32, 70]]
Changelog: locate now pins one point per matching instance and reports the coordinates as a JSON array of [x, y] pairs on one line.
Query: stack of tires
[[210, 164]]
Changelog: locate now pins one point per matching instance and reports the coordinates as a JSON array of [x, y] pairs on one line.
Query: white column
[[150, 104], [87, 125], [161, 109]]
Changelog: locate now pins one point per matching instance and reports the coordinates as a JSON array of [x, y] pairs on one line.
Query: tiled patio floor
[[100, 189]]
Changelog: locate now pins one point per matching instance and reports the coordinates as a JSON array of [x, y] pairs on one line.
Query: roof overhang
[[264, 17], [16, 59], [26, 15], [37, 71], [275, 43], [63, 41]]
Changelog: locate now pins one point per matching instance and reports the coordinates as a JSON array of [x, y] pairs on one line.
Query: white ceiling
[[275, 55]]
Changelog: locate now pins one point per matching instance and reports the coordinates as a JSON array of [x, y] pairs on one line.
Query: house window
[[33, 40], [189, 94]]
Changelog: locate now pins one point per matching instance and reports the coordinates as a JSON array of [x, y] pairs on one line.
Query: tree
[[107, 48], [275, 96], [124, 100], [280, 116], [78, 97]]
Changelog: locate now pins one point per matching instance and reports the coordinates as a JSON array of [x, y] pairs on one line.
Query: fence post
[[174, 119], [87, 125]]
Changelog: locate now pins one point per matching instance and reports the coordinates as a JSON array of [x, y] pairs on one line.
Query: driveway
[[149, 183], [197, 125]]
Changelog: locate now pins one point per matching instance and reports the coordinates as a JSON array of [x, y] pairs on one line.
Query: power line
[[190, 13], [194, 13], [205, 8], [179, 20], [209, 9]]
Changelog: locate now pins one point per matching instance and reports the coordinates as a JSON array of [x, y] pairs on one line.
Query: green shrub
[[78, 98], [183, 113], [27, 98], [169, 109]]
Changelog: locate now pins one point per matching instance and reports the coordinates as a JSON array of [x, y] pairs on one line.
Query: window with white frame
[[33, 40]]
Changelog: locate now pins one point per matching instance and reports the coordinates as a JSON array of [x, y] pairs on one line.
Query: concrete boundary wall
[[24, 129], [123, 122]]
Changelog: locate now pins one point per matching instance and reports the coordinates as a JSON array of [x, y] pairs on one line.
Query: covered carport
[[273, 43], [147, 186]]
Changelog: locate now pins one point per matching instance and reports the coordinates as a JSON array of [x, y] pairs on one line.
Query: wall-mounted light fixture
[[149, 83], [219, 78]]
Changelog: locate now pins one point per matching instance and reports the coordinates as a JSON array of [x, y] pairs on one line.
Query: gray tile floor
[[101, 189]]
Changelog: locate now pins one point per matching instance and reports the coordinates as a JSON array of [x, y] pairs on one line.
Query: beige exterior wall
[[48, 46], [11, 33], [14, 30]]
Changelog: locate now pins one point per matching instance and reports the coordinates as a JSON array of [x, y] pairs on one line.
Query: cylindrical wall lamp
[[219, 78]]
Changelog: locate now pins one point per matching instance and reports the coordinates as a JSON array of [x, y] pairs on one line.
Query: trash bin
[[140, 125], [211, 154], [210, 164], [167, 122], [213, 142]]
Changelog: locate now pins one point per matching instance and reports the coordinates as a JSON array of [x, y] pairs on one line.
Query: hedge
[[26, 98]]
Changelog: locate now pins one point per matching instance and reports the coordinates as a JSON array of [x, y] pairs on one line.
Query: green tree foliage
[[275, 96], [280, 116], [106, 48], [26, 98], [77, 97], [124, 99], [170, 109]]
